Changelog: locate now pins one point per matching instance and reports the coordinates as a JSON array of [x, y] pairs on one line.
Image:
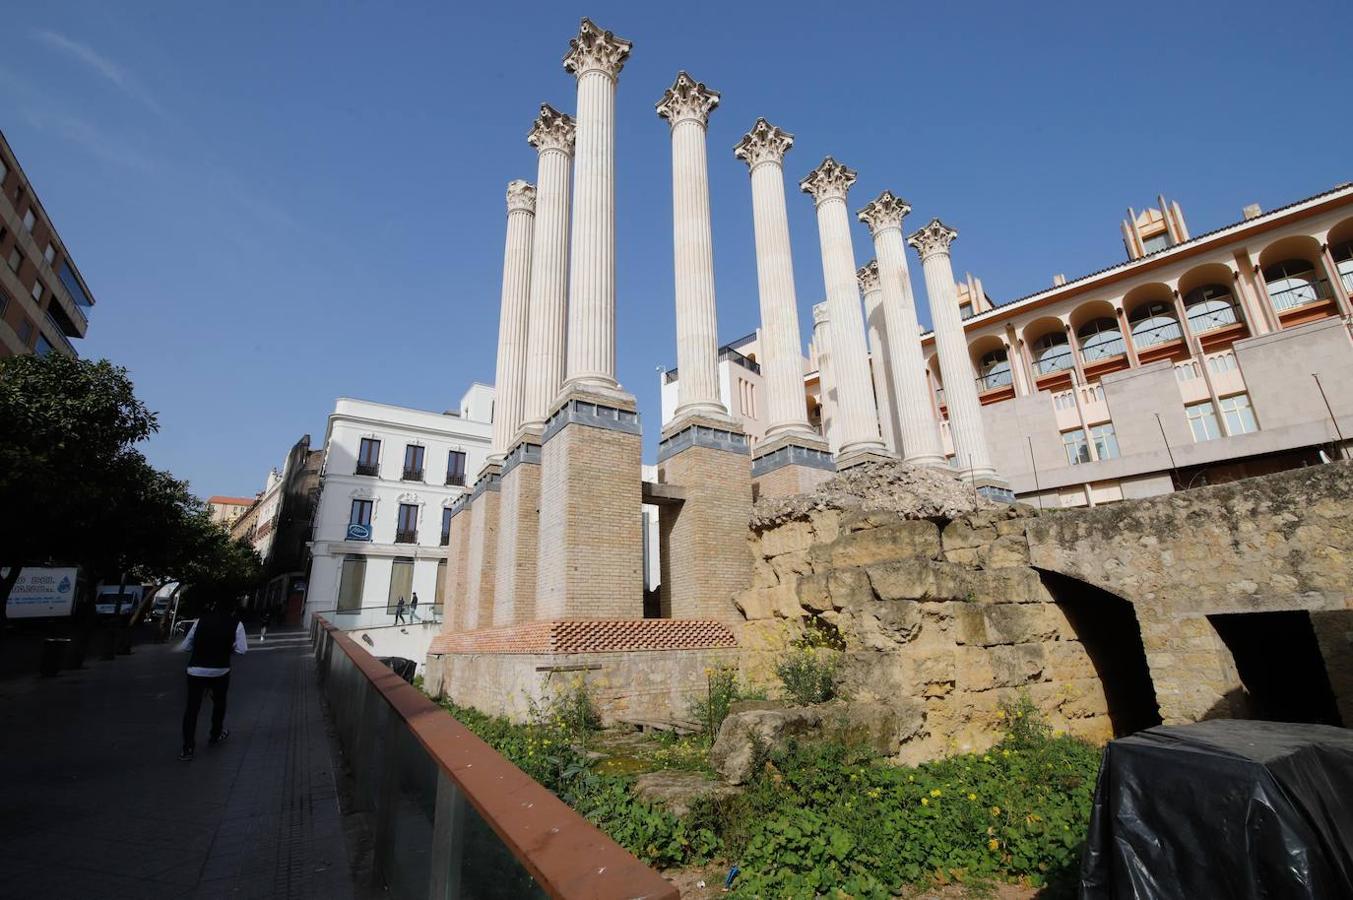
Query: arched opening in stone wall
[[1282, 671], [1106, 625]]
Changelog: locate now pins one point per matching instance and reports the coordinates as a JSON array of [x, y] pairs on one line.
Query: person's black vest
[[213, 641]]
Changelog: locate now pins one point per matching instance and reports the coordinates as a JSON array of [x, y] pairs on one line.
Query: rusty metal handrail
[[568, 856]]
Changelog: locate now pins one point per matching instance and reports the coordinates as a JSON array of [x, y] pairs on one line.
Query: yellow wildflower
[[1000, 714], [925, 801], [972, 796], [935, 792], [993, 844], [995, 810]]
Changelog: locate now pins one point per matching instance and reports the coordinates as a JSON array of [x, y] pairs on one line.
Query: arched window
[[1343, 261], [1292, 282], [1100, 339], [1153, 323], [994, 369], [1210, 306], [1051, 353]]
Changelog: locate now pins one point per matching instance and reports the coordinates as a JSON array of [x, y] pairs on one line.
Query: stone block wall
[[950, 618]]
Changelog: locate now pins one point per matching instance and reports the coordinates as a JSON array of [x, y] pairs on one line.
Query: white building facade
[[390, 477]]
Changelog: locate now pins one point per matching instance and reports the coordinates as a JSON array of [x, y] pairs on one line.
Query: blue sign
[[358, 532]]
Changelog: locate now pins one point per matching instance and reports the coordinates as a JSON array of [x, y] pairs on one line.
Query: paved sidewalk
[[94, 802]]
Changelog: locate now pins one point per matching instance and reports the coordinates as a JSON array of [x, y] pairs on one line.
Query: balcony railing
[[413, 475], [1106, 349], [993, 380], [1157, 334], [456, 479], [445, 539], [450, 817], [367, 469], [61, 337], [406, 537], [1053, 362], [727, 353], [1347, 279], [1201, 322], [384, 614], [1301, 294]]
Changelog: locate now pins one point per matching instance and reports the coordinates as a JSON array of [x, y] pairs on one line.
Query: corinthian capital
[[521, 196], [764, 143], [883, 212], [934, 238], [819, 314], [868, 277], [687, 99], [596, 50], [829, 181], [552, 130]]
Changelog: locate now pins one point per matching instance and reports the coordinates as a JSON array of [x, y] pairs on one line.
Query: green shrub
[[721, 691], [809, 675]]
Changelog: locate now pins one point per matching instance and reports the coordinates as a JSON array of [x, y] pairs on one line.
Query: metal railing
[[413, 475], [406, 537], [1201, 322], [456, 479], [1053, 362], [424, 613], [367, 469], [1347, 279], [1157, 334], [1301, 294], [1108, 349], [61, 336], [449, 815], [993, 380], [727, 353]]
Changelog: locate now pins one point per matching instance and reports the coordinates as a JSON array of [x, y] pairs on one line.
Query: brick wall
[[453, 594], [591, 525], [518, 545], [789, 480], [705, 557], [481, 574]]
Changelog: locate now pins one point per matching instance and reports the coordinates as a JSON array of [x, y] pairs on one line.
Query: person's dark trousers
[[197, 686]]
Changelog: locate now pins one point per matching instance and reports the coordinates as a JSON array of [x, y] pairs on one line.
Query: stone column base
[[703, 540], [457, 559], [591, 559], [514, 597], [793, 464], [481, 577], [858, 457]]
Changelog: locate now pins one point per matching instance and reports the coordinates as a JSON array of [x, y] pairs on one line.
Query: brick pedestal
[[457, 551], [704, 555], [514, 597], [481, 576], [790, 465], [591, 557]]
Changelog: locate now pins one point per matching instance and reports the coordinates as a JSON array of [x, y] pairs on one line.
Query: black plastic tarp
[[404, 668], [1223, 809]]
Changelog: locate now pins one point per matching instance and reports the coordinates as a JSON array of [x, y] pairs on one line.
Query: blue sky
[[279, 204]]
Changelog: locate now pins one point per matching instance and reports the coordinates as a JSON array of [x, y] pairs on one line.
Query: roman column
[[595, 57], [960, 389], [552, 136], [858, 419], [822, 347], [687, 105], [918, 432], [591, 552], [868, 278], [519, 491], [510, 382], [703, 451]]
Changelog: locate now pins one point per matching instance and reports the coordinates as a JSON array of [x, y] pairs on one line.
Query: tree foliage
[[75, 489]]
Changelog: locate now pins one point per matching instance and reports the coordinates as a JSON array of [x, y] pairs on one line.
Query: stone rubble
[[909, 492]]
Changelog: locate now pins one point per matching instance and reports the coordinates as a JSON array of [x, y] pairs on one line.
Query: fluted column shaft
[[878, 356], [763, 148], [509, 384], [687, 105], [822, 343], [857, 413], [960, 389], [591, 290], [920, 434], [546, 333]]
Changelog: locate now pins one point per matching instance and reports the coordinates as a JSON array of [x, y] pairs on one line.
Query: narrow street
[[94, 802]]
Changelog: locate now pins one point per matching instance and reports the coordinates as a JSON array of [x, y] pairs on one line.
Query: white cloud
[[110, 71]]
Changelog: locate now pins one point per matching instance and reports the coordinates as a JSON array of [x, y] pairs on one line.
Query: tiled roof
[[232, 501]]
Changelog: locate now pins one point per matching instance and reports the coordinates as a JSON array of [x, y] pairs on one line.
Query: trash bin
[[54, 652]]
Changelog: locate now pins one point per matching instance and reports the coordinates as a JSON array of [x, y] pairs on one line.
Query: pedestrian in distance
[[263, 625], [399, 612], [214, 637], [413, 607]]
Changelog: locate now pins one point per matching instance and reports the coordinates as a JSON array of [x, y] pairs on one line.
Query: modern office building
[[1196, 360], [44, 301], [381, 526]]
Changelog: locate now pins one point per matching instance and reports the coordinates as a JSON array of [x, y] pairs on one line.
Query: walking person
[[413, 608], [399, 612], [216, 635], [263, 625]]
